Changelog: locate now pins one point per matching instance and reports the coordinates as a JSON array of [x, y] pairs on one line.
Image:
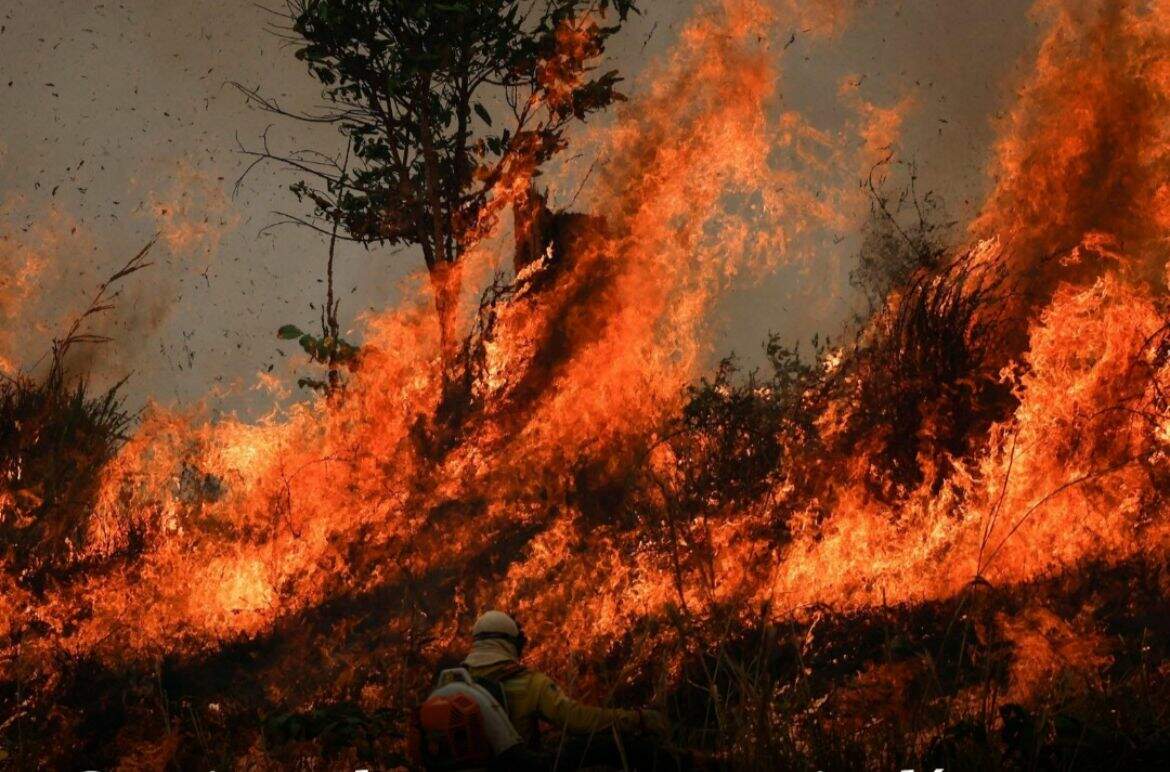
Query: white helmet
[[497, 624]]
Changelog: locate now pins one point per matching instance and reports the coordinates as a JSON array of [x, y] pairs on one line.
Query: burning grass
[[55, 440]]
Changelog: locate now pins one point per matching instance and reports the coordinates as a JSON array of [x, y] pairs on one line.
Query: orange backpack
[[461, 725]]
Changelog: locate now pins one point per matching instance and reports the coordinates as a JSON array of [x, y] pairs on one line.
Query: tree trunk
[[446, 283]]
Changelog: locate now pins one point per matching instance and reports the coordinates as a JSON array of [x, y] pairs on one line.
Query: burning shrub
[[736, 436], [922, 389], [918, 385], [55, 439]]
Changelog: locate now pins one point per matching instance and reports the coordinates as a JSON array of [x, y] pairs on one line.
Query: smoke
[[53, 264]]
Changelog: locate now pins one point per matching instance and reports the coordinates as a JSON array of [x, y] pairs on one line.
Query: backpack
[[462, 725]]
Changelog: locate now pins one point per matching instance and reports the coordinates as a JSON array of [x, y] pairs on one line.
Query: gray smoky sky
[[117, 120]]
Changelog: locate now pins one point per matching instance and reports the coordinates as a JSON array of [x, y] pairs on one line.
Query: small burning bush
[[56, 435]]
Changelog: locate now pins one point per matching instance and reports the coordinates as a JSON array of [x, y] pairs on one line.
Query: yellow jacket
[[532, 695]]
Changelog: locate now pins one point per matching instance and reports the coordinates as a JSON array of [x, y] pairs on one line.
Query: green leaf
[[483, 113], [289, 332], [311, 345]]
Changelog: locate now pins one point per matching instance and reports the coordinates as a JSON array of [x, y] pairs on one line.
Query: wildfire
[[204, 534]]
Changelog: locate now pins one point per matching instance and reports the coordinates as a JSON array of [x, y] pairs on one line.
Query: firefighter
[[591, 736]]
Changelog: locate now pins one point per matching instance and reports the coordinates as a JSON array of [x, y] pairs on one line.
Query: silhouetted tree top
[[443, 101]]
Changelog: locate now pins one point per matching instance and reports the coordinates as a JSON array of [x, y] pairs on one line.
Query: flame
[[267, 513], [25, 272], [193, 213]]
